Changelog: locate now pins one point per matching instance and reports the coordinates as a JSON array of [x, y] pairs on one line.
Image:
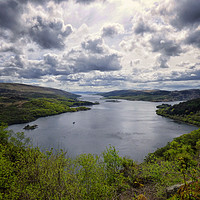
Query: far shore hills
[[153, 95], [20, 103]]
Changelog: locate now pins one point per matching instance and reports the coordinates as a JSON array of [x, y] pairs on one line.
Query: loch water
[[131, 126]]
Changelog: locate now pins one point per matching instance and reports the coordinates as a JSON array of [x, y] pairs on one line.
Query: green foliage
[[183, 156], [189, 191], [188, 112], [28, 173], [31, 109]]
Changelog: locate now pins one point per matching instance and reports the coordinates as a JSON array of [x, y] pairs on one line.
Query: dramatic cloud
[[165, 46], [84, 63], [10, 16], [85, 1], [181, 14], [95, 55], [142, 28], [100, 44], [194, 38], [162, 62], [50, 34], [186, 13], [8, 47], [94, 45], [110, 30]]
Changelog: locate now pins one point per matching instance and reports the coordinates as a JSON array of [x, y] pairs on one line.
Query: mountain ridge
[[153, 95], [32, 90]]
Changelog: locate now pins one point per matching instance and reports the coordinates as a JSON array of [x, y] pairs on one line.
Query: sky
[[101, 45]]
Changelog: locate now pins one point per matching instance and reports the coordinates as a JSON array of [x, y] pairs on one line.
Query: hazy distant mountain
[[26, 91], [153, 95]]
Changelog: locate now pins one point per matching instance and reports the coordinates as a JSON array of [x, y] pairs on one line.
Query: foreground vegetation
[[28, 173], [24, 103], [188, 112]]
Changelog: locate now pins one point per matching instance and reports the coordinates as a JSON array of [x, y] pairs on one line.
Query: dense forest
[[153, 95], [28, 173], [21, 103], [188, 111]]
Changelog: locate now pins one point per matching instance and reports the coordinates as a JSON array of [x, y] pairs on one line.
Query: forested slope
[[188, 111], [24, 103]]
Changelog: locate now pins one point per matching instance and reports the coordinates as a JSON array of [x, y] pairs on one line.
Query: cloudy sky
[[101, 45]]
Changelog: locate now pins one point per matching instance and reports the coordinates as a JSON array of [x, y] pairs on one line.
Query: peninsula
[[20, 103]]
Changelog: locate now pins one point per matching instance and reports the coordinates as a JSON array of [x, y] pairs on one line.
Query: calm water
[[131, 126]]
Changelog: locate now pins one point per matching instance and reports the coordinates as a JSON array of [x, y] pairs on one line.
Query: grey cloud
[[31, 73], [18, 66], [86, 1], [59, 66], [165, 46], [60, 1], [12, 66], [142, 28], [10, 15], [68, 78], [185, 13], [187, 76], [50, 35], [162, 62], [16, 62], [51, 60], [94, 55], [193, 38], [47, 34], [105, 81], [112, 29], [11, 71], [9, 48], [94, 45], [19, 61], [137, 61], [84, 63]]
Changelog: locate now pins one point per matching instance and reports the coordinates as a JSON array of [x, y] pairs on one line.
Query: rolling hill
[[153, 95], [29, 91], [188, 111], [21, 103]]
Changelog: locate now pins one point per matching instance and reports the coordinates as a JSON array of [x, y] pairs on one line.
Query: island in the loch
[[153, 95], [112, 101], [30, 127], [20, 103]]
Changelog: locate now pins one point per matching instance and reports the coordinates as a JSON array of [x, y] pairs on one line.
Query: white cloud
[[97, 44]]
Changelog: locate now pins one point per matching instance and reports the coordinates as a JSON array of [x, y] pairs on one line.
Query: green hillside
[[188, 111], [153, 95], [24, 103], [29, 91]]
